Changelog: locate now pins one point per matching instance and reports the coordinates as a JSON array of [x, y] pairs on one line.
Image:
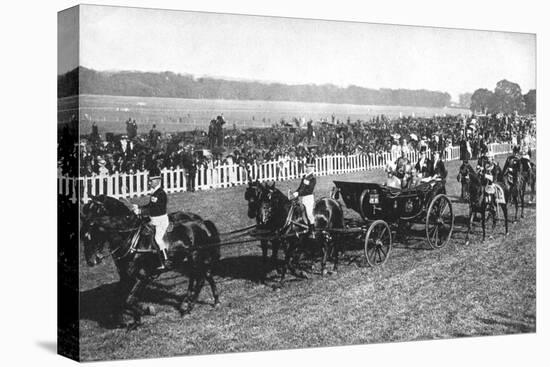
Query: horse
[[130, 244], [328, 214], [253, 194], [491, 202], [283, 217], [476, 196], [515, 175]]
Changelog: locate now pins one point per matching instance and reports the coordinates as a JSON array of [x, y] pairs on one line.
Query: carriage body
[[377, 202], [383, 208]]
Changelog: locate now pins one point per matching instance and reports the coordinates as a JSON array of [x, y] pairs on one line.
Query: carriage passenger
[[424, 165], [438, 169]]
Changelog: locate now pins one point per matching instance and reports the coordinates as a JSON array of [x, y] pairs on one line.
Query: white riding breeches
[[308, 203], [161, 225]]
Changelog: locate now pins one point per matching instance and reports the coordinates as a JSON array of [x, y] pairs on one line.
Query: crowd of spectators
[[132, 152]]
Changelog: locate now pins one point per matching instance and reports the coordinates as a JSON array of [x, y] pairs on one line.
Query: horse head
[[252, 196], [96, 232], [273, 205]]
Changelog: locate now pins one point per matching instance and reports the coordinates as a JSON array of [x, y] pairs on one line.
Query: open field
[[178, 114], [480, 289]]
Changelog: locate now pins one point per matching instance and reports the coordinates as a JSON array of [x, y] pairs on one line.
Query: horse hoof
[[133, 326], [185, 310], [150, 310], [324, 272]]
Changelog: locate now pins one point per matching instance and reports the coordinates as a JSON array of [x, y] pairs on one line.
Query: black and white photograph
[[241, 183]]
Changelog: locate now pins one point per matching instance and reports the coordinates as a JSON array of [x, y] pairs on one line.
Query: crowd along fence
[[213, 176]]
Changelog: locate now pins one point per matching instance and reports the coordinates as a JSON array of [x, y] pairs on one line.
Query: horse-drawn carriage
[[383, 209], [280, 221]]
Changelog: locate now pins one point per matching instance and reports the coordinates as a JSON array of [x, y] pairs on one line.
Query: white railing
[[122, 185], [500, 148]]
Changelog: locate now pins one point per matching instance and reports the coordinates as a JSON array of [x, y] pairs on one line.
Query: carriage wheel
[[378, 243], [439, 221]]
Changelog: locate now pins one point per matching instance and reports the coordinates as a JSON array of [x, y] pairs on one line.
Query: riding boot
[[163, 257]]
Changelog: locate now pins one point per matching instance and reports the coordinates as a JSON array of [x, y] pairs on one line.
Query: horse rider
[[304, 193], [156, 209]]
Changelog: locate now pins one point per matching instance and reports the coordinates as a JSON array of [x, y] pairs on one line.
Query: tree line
[[506, 98], [167, 84]]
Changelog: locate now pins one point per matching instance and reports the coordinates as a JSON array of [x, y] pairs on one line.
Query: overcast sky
[[303, 51]]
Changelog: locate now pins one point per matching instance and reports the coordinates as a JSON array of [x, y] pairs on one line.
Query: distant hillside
[[168, 84]]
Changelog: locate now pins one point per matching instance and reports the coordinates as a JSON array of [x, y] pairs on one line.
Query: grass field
[[480, 289], [178, 114]]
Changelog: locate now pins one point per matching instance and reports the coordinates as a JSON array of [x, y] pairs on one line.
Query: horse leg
[[522, 202], [274, 254], [325, 248], [516, 205], [336, 255], [199, 284], [131, 303], [483, 223], [504, 208], [470, 222], [190, 287], [198, 288], [212, 283], [264, 261]]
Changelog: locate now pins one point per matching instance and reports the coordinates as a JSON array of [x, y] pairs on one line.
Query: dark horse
[[328, 214], [516, 174], [253, 195], [479, 201], [130, 243], [284, 219]]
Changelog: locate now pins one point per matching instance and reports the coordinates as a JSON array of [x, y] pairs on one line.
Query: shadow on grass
[[99, 304], [511, 326]]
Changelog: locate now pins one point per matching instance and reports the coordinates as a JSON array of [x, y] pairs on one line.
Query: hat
[[154, 173], [414, 137]]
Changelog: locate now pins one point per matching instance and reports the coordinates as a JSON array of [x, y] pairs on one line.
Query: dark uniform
[[307, 185], [424, 167], [156, 209], [305, 194], [157, 204]]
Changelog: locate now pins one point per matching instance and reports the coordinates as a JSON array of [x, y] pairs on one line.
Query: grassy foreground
[[481, 289]]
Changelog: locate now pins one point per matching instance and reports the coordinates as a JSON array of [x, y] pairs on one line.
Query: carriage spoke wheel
[[378, 243], [439, 221]]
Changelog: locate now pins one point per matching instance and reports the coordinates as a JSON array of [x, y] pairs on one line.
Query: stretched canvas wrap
[[231, 183]]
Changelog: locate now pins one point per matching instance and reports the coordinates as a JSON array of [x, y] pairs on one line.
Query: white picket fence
[[122, 185]]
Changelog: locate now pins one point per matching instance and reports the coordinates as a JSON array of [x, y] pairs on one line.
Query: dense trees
[[169, 84], [530, 100], [506, 98], [464, 100]]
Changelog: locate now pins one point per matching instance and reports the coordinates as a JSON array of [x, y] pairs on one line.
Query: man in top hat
[[156, 209], [305, 190], [437, 169], [424, 165]]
